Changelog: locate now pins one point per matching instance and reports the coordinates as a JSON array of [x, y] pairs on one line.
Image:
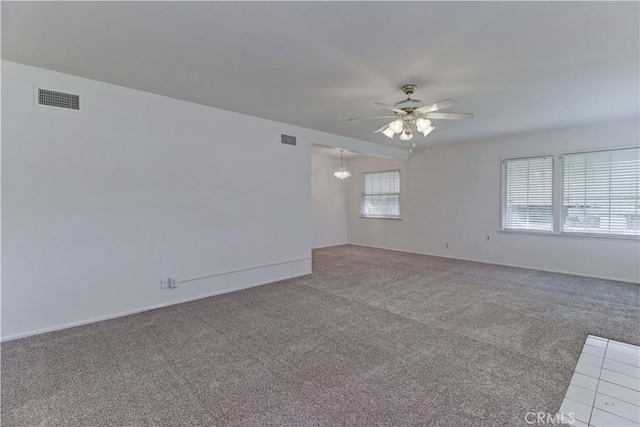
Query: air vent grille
[[52, 98], [288, 139]]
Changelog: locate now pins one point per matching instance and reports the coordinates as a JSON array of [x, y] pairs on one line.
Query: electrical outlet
[[169, 283], [488, 238], [446, 245]]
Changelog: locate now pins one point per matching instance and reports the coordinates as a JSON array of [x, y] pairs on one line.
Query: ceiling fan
[[412, 116]]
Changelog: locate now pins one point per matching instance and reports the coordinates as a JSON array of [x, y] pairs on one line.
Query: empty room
[[320, 213]]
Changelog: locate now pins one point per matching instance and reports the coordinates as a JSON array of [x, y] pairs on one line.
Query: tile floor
[[605, 387]]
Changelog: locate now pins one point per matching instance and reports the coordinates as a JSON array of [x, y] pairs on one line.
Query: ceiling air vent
[[288, 139], [51, 98]]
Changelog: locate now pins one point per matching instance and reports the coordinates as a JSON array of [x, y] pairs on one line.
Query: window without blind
[[528, 194], [600, 194], [381, 196]]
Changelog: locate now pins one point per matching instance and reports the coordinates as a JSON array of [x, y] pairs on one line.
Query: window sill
[[380, 217], [571, 235]]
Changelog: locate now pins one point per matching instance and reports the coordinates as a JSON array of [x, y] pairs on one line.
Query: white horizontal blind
[[528, 194], [601, 193], [381, 197]]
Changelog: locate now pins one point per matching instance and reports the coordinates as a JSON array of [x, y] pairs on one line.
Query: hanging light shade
[[388, 132], [396, 126], [428, 130], [406, 135], [422, 124], [342, 172]]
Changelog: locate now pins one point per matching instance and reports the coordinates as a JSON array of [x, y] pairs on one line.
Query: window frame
[[557, 199], [503, 196], [561, 231], [399, 194]]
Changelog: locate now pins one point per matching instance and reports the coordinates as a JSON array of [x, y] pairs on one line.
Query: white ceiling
[[519, 66]]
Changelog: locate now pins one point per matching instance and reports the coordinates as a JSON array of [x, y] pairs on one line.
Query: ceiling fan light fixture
[[409, 116], [396, 126], [427, 131], [406, 135], [422, 124], [388, 132]]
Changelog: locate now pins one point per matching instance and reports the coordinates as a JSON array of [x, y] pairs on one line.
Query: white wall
[[451, 194], [99, 205], [329, 201]]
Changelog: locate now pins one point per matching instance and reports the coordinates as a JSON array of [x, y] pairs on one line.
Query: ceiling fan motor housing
[[409, 89]]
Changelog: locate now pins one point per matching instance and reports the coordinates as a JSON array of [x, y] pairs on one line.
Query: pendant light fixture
[[342, 172]]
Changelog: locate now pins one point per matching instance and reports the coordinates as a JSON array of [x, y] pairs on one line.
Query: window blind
[[528, 194], [381, 196], [601, 193]]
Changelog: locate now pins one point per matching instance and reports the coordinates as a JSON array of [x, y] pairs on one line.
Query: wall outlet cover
[[169, 283]]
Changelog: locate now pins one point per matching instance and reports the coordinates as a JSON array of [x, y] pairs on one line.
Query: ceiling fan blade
[[440, 105], [449, 116], [397, 110], [382, 128], [371, 118]]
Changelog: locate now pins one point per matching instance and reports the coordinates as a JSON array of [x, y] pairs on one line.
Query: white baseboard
[[156, 306], [330, 246], [502, 264]]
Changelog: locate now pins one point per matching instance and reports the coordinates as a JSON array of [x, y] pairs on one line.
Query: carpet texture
[[372, 337]]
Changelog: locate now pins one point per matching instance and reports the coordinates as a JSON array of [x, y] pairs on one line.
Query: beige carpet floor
[[372, 337]]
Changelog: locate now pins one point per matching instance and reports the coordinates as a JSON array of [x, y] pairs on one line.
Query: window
[[601, 193], [381, 196], [597, 195], [528, 194]]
